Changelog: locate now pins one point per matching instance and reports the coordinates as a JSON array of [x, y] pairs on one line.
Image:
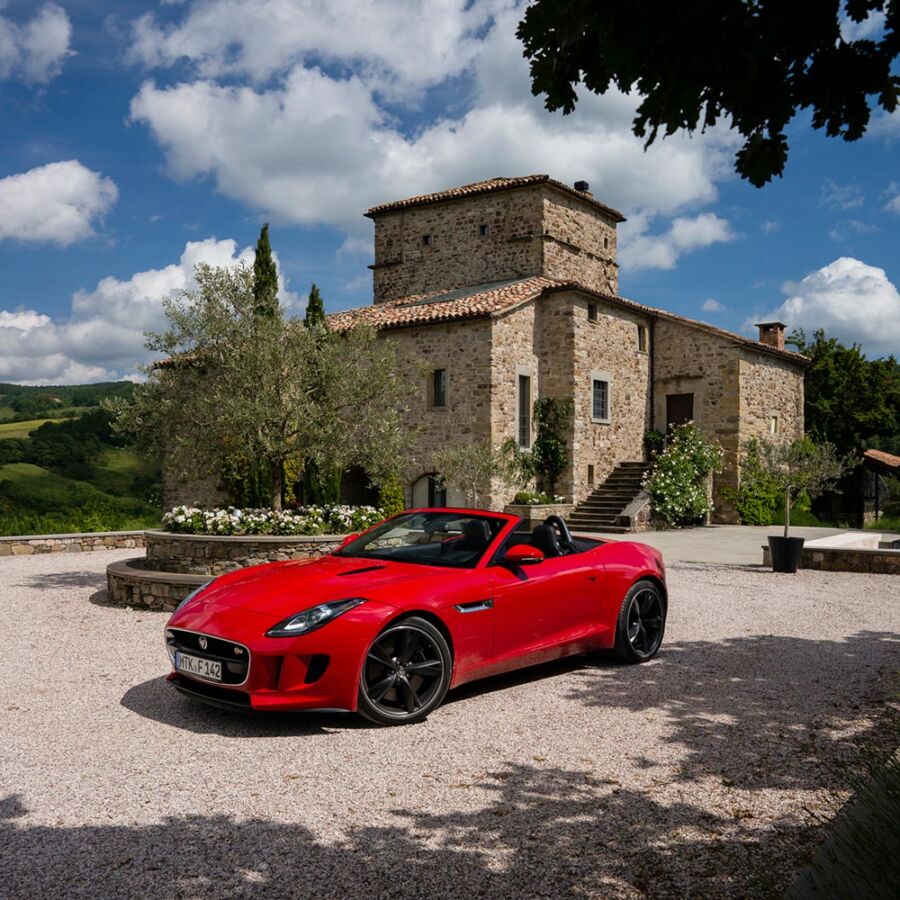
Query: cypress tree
[[315, 308], [265, 277]]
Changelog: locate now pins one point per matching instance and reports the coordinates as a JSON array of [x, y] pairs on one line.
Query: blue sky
[[139, 138]]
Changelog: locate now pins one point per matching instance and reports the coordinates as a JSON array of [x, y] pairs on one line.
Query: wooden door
[[679, 409]]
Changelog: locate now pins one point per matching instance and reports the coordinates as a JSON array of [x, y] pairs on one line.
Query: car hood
[[281, 589]]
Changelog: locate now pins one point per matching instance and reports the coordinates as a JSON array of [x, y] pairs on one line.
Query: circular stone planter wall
[[177, 563], [204, 554]]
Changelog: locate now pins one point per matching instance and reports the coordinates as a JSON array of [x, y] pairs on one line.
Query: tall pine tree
[[265, 277], [315, 308]]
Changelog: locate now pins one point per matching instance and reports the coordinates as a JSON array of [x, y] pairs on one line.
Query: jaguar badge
[[204, 643]]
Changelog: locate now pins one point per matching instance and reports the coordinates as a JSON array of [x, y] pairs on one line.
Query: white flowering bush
[[677, 482], [303, 520]]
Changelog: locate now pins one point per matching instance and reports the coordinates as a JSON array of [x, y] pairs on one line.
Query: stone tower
[[499, 230]]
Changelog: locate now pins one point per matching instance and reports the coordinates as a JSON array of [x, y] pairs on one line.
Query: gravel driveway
[[705, 772]]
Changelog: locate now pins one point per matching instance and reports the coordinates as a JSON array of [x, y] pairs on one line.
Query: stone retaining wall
[[203, 554], [130, 584], [25, 545], [845, 559], [535, 513]]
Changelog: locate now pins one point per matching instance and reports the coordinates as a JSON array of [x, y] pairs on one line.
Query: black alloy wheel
[[405, 674], [641, 624]]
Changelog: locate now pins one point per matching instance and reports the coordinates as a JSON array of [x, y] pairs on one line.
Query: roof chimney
[[772, 334], [583, 186]]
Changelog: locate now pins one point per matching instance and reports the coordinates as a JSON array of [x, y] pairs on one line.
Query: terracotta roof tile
[[491, 299], [444, 306], [490, 186], [883, 458]]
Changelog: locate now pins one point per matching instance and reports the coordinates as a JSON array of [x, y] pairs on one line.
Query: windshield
[[457, 540]]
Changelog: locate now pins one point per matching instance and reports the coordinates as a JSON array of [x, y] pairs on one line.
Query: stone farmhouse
[[503, 291]]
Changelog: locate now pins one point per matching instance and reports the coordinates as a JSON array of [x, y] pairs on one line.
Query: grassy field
[[20, 429], [36, 501]]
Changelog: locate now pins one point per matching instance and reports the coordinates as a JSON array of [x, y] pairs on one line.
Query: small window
[[606, 243], [483, 230], [524, 411], [592, 312], [590, 474], [773, 424], [642, 338], [600, 400], [426, 240], [439, 388]]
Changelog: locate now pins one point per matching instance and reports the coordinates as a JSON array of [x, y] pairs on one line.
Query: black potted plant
[[798, 467]]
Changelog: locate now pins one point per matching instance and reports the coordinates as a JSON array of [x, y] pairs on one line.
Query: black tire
[[641, 623], [405, 674]]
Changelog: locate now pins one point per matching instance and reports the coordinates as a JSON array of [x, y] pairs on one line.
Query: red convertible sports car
[[423, 602]]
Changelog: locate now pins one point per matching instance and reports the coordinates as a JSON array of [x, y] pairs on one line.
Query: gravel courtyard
[[707, 772]]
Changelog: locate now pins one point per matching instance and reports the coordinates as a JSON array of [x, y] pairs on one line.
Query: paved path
[[722, 544], [703, 773]]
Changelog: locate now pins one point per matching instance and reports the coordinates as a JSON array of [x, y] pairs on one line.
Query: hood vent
[[360, 571]]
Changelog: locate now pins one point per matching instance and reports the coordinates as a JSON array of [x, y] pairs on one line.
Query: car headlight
[[191, 595], [311, 619]]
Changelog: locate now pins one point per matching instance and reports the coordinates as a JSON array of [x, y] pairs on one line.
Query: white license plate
[[202, 668]]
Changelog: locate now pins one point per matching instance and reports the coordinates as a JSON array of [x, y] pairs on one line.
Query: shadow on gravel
[[65, 580], [535, 832], [761, 711], [159, 701]]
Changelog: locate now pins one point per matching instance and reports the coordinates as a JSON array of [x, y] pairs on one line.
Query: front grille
[[235, 658], [203, 690]]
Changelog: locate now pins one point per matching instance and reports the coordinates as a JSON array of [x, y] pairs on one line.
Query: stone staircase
[[603, 510]]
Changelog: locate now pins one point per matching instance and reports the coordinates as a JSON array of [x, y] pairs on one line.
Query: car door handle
[[475, 606]]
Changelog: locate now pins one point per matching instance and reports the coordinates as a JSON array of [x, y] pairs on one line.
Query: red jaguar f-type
[[425, 601]]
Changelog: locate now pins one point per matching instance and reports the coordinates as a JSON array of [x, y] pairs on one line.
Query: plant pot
[[786, 553]]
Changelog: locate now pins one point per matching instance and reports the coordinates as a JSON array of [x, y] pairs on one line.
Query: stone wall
[[197, 554], [129, 584], [770, 388], [579, 242], [70, 543], [463, 350], [458, 255], [692, 361], [535, 230], [607, 345], [845, 559]]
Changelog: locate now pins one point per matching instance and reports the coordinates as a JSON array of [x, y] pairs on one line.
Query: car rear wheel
[[641, 623], [405, 674]]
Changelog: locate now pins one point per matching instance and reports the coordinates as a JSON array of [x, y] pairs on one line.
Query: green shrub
[[533, 498], [677, 483], [391, 497], [759, 496], [654, 441], [550, 452]]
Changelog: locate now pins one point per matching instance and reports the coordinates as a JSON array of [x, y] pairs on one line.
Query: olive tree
[[473, 468], [234, 384], [801, 466]]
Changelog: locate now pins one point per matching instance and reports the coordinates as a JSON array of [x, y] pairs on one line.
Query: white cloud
[[893, 197], [841, 196], [843, 231], [852, 301], [332, 146], [401, 46], [34, 51], [59, 202], [103, 336], [770, 226], [640, 250], [710, 304]]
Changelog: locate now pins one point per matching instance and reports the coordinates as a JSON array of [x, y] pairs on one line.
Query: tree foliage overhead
[[753, 63], [849, 400], [240, 386], [265, 276]]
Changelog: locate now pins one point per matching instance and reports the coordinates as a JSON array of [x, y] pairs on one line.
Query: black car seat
[[476, 535], [544, 538]]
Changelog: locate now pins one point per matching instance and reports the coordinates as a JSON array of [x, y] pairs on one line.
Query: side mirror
[[523, 555], [348, 538]]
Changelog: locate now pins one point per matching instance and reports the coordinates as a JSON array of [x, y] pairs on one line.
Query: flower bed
[[303, 520]]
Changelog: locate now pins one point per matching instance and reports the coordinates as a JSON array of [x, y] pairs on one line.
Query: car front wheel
[[641, 623], [405, 674]]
